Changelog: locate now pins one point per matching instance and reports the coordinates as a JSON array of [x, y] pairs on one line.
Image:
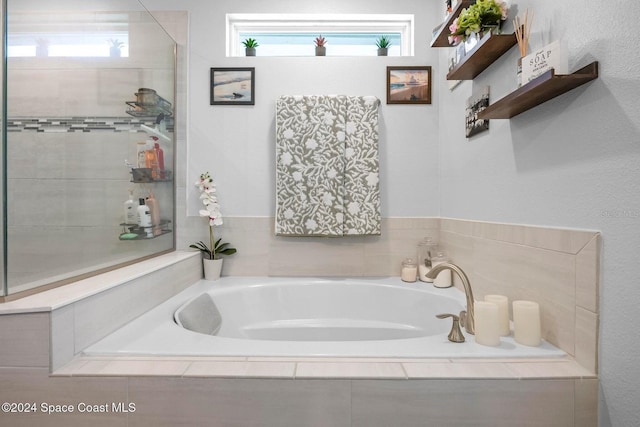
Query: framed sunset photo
[[409, 85]]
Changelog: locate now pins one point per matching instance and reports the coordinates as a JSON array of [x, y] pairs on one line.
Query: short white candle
[[487, 323], [503, 312], [409, 273], [526, 323]]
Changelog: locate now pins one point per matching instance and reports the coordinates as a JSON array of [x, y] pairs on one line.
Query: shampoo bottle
[[130, 211], [154, 209], [141, 147], [144, 218], [160, 159], [151, 160]]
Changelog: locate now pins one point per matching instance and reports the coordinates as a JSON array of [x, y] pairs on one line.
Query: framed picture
[[475, 104], [409, 85], [233, 86]]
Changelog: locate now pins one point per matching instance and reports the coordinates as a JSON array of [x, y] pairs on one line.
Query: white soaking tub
[[306, 317]]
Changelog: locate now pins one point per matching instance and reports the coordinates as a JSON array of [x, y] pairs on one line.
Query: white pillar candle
[[503, 312], [487, 323], [526, 322]]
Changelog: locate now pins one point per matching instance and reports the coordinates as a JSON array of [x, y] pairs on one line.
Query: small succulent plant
[[250, 43], [115, 43], [383, 42], [320, 41]]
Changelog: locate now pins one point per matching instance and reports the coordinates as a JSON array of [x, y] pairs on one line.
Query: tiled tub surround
[[336, 392], [558, 268], [47, 329]]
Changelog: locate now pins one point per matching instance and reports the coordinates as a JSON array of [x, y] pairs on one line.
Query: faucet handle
[[456, 334]]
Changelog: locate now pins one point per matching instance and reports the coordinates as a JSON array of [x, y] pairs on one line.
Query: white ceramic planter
[[212, 268]]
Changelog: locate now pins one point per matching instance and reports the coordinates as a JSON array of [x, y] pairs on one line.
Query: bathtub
[[309, 317]]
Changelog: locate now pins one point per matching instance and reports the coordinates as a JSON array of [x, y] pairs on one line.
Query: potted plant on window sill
[[383, 44], [321, 49], [115, 47], [211, 254], [250, 46]]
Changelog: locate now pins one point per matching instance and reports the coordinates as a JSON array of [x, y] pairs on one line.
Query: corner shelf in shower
[[141, 233], [143, 176], [145, 110]]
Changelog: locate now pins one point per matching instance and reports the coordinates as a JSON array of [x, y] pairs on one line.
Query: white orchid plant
[[212, 212]]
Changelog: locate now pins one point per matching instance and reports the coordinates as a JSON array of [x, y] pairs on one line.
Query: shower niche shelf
[[144, 110], [537, 91], [141, 234], [144, 176]]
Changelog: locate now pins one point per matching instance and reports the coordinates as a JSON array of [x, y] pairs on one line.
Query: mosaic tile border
[[80, 124]]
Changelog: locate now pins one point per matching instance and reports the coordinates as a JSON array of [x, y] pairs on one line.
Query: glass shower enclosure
[[87, 125]]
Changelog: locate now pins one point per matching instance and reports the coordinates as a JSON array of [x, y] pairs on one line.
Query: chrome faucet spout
[[469, 319]]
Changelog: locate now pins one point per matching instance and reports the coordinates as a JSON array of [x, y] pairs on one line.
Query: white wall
[[236, 144], [572, 162]]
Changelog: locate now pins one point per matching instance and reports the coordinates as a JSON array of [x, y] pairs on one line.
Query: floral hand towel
[[327, 166]]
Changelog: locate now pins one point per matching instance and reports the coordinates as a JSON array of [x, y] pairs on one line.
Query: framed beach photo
[[233, 86], [409, 85]]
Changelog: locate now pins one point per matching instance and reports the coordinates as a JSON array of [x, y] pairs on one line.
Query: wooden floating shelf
[[489, 48], [441, 38], [537, 91]]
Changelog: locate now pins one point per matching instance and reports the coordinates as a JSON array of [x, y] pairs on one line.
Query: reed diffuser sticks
[[523, 32]]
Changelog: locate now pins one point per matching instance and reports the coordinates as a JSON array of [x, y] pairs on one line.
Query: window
[[293, 34], [67, 44], [79, 34]]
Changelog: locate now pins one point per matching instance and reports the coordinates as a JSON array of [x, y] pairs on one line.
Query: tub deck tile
[[345, 359], [350, 370], [325, 368], [544, 370], [134, 368], [241, 369], [457, 370]]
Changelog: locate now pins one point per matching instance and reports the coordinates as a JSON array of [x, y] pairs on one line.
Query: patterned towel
[[327, 166]]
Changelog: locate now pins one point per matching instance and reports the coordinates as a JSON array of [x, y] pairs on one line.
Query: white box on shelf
[[542, 60]]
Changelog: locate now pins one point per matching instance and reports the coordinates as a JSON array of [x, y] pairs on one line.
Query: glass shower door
[[75, 122]]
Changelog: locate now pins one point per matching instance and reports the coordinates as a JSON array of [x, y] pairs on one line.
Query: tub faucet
[[467, 318]]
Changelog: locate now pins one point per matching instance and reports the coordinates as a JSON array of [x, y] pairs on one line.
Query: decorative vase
[[382, 51], [250, 51], [321, 51], [519, 72], [212, 268], [115, 52], [470, 42], [493, 29]]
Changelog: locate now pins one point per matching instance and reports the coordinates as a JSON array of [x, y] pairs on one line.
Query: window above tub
[[294, 34]]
